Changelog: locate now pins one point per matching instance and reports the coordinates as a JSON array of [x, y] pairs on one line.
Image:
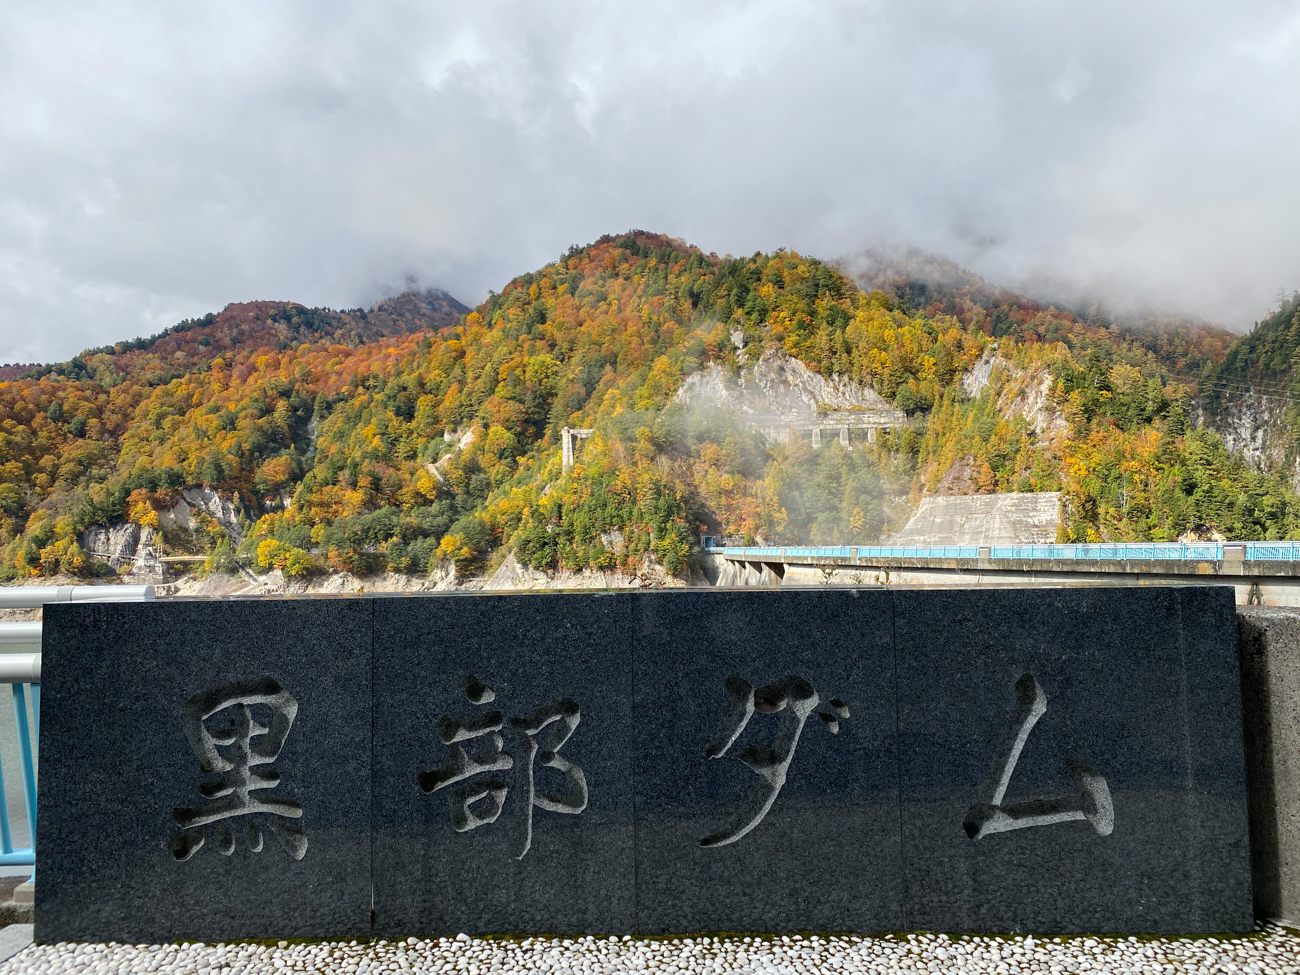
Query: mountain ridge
[[253, 324], [437, 449]]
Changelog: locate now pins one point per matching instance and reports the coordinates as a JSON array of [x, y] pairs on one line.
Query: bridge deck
[[1175, 558]]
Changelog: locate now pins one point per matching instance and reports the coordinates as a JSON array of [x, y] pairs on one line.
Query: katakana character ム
[[1092, 801]]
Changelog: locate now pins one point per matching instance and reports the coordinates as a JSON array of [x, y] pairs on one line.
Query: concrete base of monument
[[13, 939], [14, 907]]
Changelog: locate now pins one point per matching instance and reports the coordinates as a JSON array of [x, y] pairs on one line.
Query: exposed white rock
[[212, 504], [1021, 392], [1028, 393], [975, 380], [126, 544], [148, 567], [312, 432], [1256, 428], [443, 578], [777, 385], [511, 576], [177, 518], [119, 543]]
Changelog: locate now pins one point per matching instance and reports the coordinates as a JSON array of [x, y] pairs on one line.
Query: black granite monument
[[1088, 742], [767, 771], [667, 762], [205, 771], [504, 764]]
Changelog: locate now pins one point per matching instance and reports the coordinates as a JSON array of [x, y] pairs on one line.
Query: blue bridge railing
[[22, 670], [1117, 551], [1273, 551]]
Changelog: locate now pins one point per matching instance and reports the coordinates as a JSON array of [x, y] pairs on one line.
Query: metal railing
[[931, 552], [1118, 551], [22, 670], [1273, 551]]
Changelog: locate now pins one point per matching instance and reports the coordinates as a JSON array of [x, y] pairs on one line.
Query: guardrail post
[[25, 756], [6, 838]]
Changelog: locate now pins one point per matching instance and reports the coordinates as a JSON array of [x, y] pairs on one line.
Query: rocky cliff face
[[1256, 428], [137, 549], [223, 512], [119, 543], [777, 385], [129, 546], [180, 517], [1021, 392], [1027, 393], [982, 372]]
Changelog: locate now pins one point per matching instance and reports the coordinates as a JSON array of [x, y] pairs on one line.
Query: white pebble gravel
[[1272, 951]]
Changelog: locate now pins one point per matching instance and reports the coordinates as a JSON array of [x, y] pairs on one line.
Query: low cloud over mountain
[[159, 162]]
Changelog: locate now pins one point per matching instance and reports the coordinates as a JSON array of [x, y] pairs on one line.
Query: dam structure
[[844, 425], [1008, 541], [1012, 518], [1261, 573]]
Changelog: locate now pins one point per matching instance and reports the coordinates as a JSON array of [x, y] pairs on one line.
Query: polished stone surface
[[825, 856], [1141, 687], [1270, 672], [125, 686], [549, 660], [698, 761]]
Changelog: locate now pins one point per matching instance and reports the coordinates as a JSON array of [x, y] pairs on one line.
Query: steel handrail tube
[[34, 597], [20, 634], [20, 668]]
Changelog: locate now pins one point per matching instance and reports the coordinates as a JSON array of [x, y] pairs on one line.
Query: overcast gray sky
[[158, 161]]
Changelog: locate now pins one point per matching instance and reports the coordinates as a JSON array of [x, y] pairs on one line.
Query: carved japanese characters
[[795, 699], [1092, 802], [222, 725], [536, 737]]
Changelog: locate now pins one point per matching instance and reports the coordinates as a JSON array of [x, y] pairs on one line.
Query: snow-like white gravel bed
[[1270, 951]]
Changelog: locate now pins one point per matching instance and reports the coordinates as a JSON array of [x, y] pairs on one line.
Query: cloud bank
[[158, 161]]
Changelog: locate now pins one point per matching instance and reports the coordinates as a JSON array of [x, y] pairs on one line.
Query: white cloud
[[157, 162]]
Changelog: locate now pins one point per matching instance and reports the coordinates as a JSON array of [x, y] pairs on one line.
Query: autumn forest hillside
[[420, 434]]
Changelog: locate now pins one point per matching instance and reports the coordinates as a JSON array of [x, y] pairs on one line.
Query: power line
[[1245, 391], [1262, 390]]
